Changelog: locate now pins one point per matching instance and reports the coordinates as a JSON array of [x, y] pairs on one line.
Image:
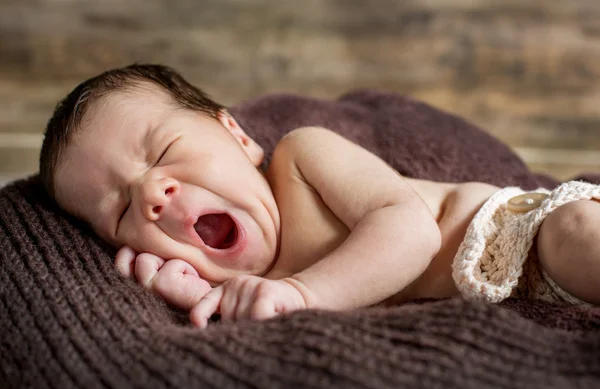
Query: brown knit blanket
[[67, 320]]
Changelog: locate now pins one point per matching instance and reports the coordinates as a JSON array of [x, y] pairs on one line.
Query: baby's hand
[[248, 297], [176, 281]]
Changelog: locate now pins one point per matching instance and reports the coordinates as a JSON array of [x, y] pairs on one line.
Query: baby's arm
[[393, 235]]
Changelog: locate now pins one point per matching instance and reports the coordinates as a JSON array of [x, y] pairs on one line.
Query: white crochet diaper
[[495, 260]]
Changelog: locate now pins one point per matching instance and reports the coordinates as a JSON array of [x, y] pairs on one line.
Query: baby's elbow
[[429, 236], [435, 241]]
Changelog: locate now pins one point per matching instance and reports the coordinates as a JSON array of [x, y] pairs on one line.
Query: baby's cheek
[[150, 240]]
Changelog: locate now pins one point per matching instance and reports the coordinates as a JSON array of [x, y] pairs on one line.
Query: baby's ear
[[252, 149]]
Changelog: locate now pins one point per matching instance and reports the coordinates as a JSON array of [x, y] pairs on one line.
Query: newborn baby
[[168, 177]]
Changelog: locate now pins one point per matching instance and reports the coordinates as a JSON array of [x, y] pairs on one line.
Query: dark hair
[[69, 112]]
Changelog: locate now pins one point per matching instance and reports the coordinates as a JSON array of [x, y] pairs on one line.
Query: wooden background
[[528, 71]]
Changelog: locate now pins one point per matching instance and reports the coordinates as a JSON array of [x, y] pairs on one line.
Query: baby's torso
[[453, 206], [310, 230]]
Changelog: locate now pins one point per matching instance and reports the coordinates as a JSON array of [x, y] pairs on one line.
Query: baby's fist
[[175, 281]]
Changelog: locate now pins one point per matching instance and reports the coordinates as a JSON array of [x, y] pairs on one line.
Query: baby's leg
[[568, 247]]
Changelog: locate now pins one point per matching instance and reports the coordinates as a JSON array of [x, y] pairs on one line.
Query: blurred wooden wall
[[528, 71]]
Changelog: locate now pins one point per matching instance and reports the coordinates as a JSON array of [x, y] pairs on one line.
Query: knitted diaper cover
[[495, 260]]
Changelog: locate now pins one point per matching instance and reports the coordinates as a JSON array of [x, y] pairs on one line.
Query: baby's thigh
[[568, 247]]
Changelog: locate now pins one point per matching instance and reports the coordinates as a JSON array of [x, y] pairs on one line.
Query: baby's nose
[[156, 195]]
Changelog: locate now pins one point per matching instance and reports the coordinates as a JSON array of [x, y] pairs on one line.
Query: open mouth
[[217, 230]]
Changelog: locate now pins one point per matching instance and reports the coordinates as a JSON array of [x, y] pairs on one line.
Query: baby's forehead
[[124, 108], [141, 95]]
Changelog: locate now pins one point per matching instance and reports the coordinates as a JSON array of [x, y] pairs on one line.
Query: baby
[[168, 177]]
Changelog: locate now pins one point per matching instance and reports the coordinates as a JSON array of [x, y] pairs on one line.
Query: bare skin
[[569, 248], [328, 225]]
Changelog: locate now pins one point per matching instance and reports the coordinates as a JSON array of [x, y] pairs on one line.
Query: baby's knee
[[571, 228], [568, 243]]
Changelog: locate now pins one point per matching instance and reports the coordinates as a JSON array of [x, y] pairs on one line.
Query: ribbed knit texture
[[68, 320]]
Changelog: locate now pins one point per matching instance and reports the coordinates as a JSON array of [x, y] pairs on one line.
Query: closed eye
[[164, 152]]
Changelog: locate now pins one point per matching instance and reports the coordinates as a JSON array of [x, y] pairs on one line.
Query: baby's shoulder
[[308, 139], [304, 145]]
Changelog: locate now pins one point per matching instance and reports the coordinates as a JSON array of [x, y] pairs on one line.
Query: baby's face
[[172, 182]]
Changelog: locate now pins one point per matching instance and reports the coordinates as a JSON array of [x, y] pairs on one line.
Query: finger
[[207, 306], [146, 267], [230, 300], [263, 308], [179, 284], [125, 262], [245, 301]]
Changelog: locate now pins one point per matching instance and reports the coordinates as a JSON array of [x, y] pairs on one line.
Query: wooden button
[[526, 202]]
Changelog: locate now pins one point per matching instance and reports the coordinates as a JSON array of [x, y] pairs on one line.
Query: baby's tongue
[[214, 229]]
